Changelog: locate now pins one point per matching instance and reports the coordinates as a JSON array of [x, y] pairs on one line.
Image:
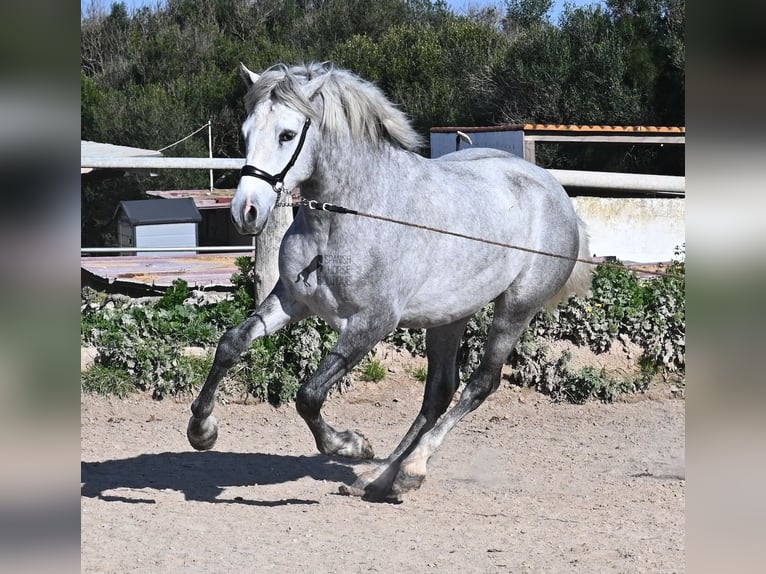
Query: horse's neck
[[353, 176]]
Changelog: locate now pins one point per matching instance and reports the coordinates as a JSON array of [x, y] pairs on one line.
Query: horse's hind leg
[[507, 326], [442, 380], [276, 311], [442, 345]]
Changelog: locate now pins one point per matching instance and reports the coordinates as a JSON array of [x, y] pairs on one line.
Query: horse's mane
[[350, 105]]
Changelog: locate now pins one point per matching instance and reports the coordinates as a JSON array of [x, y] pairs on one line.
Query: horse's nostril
[[250, 214]]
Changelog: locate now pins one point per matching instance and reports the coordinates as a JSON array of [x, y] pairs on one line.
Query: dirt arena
[[521, 485]]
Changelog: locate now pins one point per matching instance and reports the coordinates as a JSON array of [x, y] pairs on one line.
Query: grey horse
[[340, 140]]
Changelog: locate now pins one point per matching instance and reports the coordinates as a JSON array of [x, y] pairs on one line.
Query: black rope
[[318, 206]]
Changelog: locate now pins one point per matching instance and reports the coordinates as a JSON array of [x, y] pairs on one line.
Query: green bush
[[411, 340], [274, 367], [662, 332], [533, 367], [143, 344], [650, 313]]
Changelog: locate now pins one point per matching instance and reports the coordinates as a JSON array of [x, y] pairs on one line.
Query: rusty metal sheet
[[203, 271]]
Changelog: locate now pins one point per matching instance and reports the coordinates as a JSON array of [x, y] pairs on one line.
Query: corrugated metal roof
[[152, 211], [477, 129], [104, 150], [595, 128], [203, 198], [558, 128]]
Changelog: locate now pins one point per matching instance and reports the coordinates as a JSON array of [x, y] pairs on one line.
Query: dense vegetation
[[140, 346], [150, 77]]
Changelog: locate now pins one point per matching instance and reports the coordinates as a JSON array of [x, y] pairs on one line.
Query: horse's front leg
[[276, 311], [354, 342]]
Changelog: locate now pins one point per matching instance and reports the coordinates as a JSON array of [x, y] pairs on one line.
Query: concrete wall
[[639, 229]]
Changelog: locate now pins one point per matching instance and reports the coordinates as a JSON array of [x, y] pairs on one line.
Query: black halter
[[277, 181]]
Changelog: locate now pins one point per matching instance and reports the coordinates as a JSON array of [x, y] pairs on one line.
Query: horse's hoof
[[376, 474], [202, 433], [370, 494], [347, 490], [354, 445], [406, 482]]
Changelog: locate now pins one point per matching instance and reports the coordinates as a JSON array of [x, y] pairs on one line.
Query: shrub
[[142, 345], [145, 342], [274, 367], [474, 338], [650, 313], [662, 332], [555, 377], [411, 340]]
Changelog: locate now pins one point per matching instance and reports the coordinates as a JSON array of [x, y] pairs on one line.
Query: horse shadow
[[203, 476]]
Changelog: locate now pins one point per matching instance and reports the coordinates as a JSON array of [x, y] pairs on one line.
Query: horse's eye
[[286, 136]]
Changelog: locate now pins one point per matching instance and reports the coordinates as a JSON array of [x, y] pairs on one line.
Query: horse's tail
[[580, 278]]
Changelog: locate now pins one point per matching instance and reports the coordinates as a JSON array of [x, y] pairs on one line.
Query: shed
[[158, 223]]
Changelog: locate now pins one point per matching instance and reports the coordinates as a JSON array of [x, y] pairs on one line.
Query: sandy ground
[[521, 485]]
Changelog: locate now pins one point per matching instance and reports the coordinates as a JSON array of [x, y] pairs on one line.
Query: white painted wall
[[639, 229], [166, 235], [510, 141]]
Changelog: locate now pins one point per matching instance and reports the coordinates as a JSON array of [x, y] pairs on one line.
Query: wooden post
[[529, 150], [210, 148]]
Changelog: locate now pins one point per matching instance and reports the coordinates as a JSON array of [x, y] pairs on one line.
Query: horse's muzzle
[[246, 219], [249, 215]]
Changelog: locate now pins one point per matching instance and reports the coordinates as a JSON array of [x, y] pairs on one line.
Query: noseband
[[277, 181]]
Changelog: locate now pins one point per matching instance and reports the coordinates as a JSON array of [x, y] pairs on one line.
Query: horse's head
[[279, 141], [287, 109]]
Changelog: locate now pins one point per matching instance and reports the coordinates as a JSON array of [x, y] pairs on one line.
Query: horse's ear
[[249, 77], [311, 87]]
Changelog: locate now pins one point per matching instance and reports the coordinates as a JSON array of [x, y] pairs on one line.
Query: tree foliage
[[153, 75]]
